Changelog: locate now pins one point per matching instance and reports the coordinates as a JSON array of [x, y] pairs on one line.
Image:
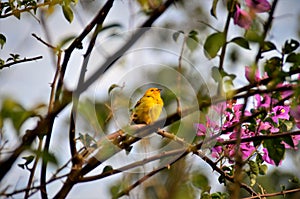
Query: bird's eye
[[151, 90]]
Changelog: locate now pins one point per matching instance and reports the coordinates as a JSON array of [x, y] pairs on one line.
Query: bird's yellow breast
[[148, 108]]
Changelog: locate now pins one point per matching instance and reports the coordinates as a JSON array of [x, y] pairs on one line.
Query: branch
[[27, 9], [274, 194], [262, 137], [98, 19], [267, 27], [20, 61]]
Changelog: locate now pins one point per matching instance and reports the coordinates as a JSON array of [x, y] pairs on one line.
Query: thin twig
[[284, 192], [20, 61]]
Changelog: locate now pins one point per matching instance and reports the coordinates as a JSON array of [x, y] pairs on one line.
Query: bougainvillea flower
[[247, 150], [262, 101], [258, 5], [242, 18], [280, 112], [267, 127], [201, 129], [251, 74]]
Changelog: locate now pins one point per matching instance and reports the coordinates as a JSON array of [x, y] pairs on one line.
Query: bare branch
[[20, 61]]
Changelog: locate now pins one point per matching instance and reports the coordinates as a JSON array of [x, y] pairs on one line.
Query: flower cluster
[[244, 18], [268, 116]]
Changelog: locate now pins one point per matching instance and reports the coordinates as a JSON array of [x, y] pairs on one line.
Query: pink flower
[[252, 75], [266, 126], [210, 126], [287, 93], [247, 150], [258, 5], [201, 129], [263, 101], [216, 151], [242, 18], [280, 112]]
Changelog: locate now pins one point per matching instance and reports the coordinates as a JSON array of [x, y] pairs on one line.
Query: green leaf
[[289, 141], [28, 159], [65, 40], [16, 112], [241, 42], [200, 181], [107, 168], [275, 149], [191, 44], [46, 156], [176, 35], [252, 35], [216, 75], [263, 169], [253, 167], [290, 46], [293, 58], [113, 86], [268, 46], [213, 10], [2, 40], [273, 65], [213, 44], [192, 40], [68, 13]]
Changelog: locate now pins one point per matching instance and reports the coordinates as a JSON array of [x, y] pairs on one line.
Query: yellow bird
[[148, 108]]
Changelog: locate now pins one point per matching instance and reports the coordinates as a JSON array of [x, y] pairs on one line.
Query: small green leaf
[[65, 40], [107, 168], [68, 13], [200, 181], [252, 179], [113, 86], [46, 156], [252, 35], [2, 40], [21, 166], [293, 58], [192, 40], [215, 73], [263, 169], [241, 42], [275, 149], [16, 112], [288, 140], [268, 46], [253, 167], [176, 35], [213, 44], [294, 180], [213, 10], [191, 44], [28, 159], [290, 46]]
